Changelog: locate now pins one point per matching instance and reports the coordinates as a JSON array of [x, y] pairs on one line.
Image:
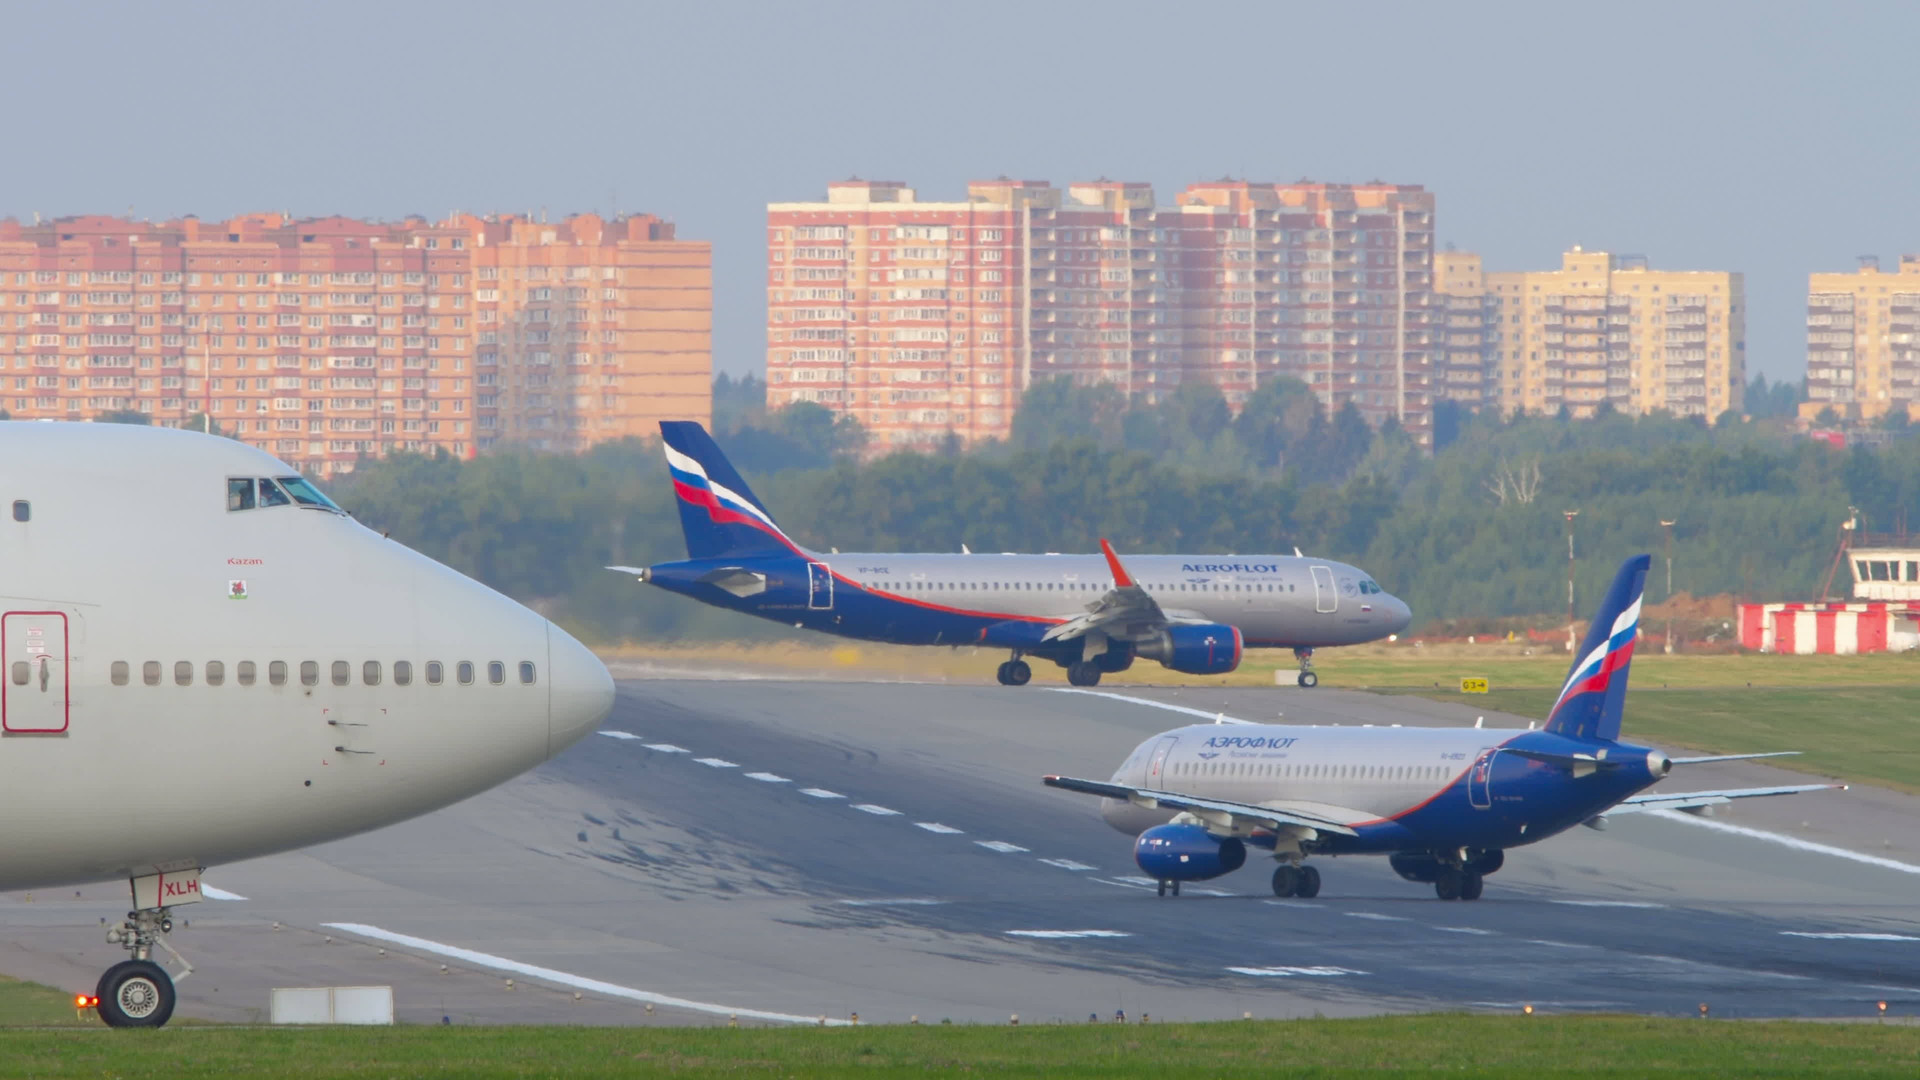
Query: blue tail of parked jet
[[720, 515], [1590, 703]]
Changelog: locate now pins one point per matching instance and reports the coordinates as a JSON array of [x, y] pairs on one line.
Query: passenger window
[[150, 673], [526, 671], [243, 673], [118, 672], [370, 673], [277, 672], [342, 672], [22, 671], [496, 672], [402, 672], [22, 510], [183, 673], [271, 495], [464, 672], [309, 673], [216, 673], [433, 673], [240, 494]]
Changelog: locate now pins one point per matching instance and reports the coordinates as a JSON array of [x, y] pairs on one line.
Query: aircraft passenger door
[[1157, 765], [1480, 780], [34, 689], [819, 586], [1325, 598]]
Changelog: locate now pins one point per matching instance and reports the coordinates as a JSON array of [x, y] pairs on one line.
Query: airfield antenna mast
[[1668, 525], [1571, 514]]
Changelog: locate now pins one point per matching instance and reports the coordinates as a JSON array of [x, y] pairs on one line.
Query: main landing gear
[[1083, 673], [1308, 680], [1302, 881], [1016, 672], [1455, 884], [1164, 884]]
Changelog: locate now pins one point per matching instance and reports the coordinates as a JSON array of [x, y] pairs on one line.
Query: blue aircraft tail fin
[[1590, 703], [719, 514]]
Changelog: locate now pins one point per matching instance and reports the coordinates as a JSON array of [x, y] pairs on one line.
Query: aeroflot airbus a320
[[203, 660], [1443, 804], [1086, 613]]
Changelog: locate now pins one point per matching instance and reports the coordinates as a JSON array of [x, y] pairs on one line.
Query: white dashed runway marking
[[821, 793], [1838, 936], [716, 763], [1066, 864], [1376, 916], [766, 778], [1001, 846], [1068, 933], [619, 734], [936, 827], [903, 901], [1289, 972], [1467, 930], [667, 748], [881, 811], [1608, 903]]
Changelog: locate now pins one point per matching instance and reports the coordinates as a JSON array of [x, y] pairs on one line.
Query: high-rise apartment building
[[325, 340], [1863, 341], [928, 320], [1608, 329], [1463, 371]]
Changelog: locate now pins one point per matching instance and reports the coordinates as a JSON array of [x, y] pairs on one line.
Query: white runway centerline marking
[[936, 827], [1149, 702], [1608, 903], [1068, 933], [1559, 944], [716, 763], [619, 734], [1788, 841], [870, 808], [1288, 972], [1066, 864], [212, 893], [766, 777], [1001, 846], [1467, 930], [1376, 916], [821, 793], [1838, 936], [904, 901], [562, 978], [667, 748]]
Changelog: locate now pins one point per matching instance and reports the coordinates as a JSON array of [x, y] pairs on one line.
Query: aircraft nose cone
[[1397, 613], [580, 691]]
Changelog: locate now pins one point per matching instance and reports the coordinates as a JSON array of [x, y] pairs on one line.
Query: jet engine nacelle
[[1424, 868], [1206, 649], [1187, 853]]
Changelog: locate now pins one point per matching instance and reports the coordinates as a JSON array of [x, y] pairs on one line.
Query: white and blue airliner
[[1443, 804], [1087, 613]]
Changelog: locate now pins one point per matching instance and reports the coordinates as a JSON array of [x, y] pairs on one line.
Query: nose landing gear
[[1308, 680], [138, 992]]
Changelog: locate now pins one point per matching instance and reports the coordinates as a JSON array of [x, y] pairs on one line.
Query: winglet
[[1121, 578]]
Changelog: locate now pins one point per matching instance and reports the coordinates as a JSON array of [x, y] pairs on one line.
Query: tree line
[[1474, 529]]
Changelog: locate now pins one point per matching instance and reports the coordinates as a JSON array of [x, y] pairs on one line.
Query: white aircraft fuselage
[[196, 667]]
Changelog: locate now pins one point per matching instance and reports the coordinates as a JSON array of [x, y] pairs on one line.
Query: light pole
[[1571, 514], [1668, 525]]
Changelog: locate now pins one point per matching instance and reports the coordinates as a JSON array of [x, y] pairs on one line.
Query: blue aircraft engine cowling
[[1187, 853], [1205, 649]]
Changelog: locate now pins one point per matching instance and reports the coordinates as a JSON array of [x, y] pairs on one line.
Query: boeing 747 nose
[[580, 694]]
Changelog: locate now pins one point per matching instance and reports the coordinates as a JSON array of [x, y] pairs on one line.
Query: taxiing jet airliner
[[202, 660], [1443, 804], [1086, 613]]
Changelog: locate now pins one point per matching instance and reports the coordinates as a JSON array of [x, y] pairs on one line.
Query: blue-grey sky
[[1765, 138]]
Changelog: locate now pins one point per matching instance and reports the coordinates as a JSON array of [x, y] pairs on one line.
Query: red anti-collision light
[[85, 1001]]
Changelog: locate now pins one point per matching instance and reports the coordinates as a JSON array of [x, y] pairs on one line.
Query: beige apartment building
[[1862, 329], [1602, 329]]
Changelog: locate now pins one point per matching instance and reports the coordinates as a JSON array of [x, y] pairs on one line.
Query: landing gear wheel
[[1163, 888], [135, 993], [1286, 880], [1018, 673], [1309, 884], [1470, 885], [1450, 884], [1308, 680], [1000, 673], [1083, 674]]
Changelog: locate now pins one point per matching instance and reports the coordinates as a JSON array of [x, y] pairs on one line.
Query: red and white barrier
[[1840, 628]]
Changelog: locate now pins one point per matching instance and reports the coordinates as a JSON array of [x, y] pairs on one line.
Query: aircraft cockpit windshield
[[252, 493], [1368, 587]]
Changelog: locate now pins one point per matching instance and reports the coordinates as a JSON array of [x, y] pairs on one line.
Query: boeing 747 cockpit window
[[271, 495], [284, 491], [306, 494]]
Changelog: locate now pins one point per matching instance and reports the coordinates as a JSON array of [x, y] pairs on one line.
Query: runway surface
[[792, 850]]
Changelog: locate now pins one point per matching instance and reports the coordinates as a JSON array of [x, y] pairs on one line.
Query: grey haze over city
[[1768, 139]]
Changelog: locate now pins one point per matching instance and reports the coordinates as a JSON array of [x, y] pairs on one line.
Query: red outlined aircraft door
[[1480, 780], [1157, 765], [34, 686], [819, 586]]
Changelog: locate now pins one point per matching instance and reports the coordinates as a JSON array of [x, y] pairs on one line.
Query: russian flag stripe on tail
[[719, 513], [1591, 702]]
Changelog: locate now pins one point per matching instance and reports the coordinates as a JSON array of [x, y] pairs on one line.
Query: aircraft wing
[[1219, 812], [1126, 611], [1695, 801]]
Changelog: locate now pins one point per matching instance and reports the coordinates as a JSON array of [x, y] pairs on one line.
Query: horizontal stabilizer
[[1732, 757], [1698, 800], [1218, 812]]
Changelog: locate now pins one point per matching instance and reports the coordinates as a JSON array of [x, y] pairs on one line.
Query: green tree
[[123, 416]]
